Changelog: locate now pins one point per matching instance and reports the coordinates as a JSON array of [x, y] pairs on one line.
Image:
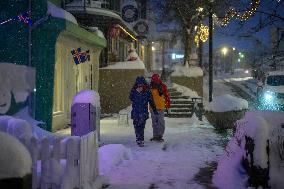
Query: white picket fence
[[57, 162]]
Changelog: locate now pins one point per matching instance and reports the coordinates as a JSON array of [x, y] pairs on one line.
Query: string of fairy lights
[[202, 32]]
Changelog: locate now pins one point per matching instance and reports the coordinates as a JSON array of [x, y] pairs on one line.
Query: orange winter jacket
[[159, 101]]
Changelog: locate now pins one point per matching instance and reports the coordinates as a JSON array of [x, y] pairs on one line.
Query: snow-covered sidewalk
[[189, 145]]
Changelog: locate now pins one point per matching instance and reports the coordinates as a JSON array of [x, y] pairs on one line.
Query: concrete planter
[[224, 120]]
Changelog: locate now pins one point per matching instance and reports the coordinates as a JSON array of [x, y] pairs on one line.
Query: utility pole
[[200, 52], [210, 54]]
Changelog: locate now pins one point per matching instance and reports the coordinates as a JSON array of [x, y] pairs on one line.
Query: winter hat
[[140, 80], [156, 78]]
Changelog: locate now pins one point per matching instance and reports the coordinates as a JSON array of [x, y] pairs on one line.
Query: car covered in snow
[[270, 93]]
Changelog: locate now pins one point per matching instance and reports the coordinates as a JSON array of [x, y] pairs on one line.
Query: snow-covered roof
[[58, 12], [127, 65], [15, 160], [281, 72], [97, 31], [226, 103], [79, 6]]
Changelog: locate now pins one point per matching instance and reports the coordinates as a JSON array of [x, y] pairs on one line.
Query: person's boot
[[140, 143], [154, 138], [160, 139]]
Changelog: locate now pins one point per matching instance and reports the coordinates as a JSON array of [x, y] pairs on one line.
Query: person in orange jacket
[[161, 99]]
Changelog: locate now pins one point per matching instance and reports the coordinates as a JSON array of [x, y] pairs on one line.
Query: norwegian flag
[[24, 18], [80, 57]]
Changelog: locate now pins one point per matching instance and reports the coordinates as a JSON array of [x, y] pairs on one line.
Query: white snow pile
[[191, 71], [16, 79], [58, 12], [111, 155], [38, 132], [185, 91], [260, 126], [226, 103], [97, 31], [135, 65], [15, 160], [87, 96]]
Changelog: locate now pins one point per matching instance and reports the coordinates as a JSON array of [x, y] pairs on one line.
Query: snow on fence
[[57, 162]]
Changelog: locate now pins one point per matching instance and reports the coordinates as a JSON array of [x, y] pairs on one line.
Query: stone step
[[179, 115], [172, 90], [181, 101], [180, 106], [184, 110], [179, 97], [175, 93]]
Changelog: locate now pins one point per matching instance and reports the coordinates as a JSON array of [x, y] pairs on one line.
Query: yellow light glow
[[224, 50], [124, 30]]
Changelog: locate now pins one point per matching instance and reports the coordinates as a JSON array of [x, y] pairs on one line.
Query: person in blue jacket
[[140, 96]]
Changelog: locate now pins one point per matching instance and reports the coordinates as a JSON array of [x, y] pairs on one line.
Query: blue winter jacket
[[140, 100]]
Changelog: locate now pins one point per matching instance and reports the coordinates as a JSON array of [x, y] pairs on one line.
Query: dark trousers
[[139, 126]]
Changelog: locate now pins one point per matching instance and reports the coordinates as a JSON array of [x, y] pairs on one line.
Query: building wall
[[114, 91], [70, 78]]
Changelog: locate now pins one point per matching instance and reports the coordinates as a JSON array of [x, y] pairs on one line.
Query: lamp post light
[[210, 52], [224, 50]]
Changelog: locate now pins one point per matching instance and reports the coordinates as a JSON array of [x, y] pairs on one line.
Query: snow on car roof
[[280, 72]]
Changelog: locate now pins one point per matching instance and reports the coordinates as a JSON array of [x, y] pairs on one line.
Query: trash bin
[[83, 118]]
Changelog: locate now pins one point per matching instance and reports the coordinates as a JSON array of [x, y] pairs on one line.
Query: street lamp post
[[210, 53]]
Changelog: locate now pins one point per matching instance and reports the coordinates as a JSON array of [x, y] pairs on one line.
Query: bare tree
[[186, 15]]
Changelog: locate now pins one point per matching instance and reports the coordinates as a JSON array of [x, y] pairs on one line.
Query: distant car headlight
[[246, 71], [268, 96]]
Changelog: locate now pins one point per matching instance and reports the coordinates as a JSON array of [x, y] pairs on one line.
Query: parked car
[[270, 93]]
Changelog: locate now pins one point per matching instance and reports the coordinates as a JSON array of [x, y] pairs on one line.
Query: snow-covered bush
[[255, 155]]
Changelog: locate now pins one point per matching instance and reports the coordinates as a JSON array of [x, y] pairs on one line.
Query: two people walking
[[156, 95]]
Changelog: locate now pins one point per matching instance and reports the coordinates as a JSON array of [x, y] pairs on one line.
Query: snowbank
[[15, 160], [260, 126], [36, 130], [226, 103], [17, 81], [57, 12], [87, 96], [111, 155], [97, 31], [127, 65], [192, 71]]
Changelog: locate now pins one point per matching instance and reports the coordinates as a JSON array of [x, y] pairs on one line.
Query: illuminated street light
[[234, 48], [199, 9], [153, 48], [224, 50], [242, 56]]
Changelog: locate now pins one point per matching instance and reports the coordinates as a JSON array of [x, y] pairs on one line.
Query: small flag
[[80, 57], [24, 18], [76, 55], [85, 56]]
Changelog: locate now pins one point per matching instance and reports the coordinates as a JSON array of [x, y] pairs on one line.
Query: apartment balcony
[[94, 13]]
